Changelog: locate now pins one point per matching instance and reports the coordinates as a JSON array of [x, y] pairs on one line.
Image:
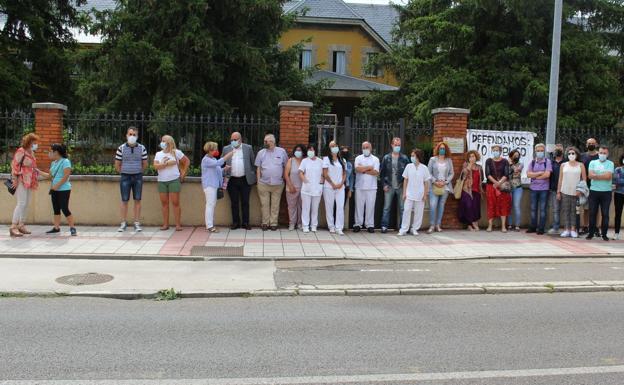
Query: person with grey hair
[[270, 163], [242, 175], [539, 171], [366, 171]]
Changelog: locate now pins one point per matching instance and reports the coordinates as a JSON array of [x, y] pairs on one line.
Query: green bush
[[103, 169]]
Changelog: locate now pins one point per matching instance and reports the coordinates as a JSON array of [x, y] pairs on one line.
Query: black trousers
[[60, 202], [599, 200], [619, 204], [239, 196]]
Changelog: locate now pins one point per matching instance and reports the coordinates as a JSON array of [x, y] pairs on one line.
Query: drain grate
[[218, 251], [84, 279]]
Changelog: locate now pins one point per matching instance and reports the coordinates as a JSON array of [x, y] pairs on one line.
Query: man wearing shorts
[[130, 162]]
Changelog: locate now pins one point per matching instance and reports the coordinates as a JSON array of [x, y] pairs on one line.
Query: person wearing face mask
[[270, 163], [472, 188], [391, 175], [442, 173], [600, 172], [592, 154], [345, 153], [24, 175], [311, 174], [497, 188], [557, 160], [618, 195], [172, 166], [130, 163], [60, 188], [415, 192], [539, 171], [242, 175], [367, 170], [335, 175], [515, 167], [293, 187], [571, 174], [212, 180]]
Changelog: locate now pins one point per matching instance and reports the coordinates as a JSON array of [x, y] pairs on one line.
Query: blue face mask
[[366, 152], [310, 154], [495, 154], [234, 143], [163, 145], [442, 151], [335, 150], [396, 149], [298, 154], [602, 157], [414, 160], [539, 154]]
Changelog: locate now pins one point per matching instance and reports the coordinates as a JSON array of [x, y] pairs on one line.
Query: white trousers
[[365, 199], [23, 196], [309, 210], [331, 196], [418, 207], [211, 202]]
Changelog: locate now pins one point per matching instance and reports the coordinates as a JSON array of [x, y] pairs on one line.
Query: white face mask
[[366, 152], [298, 154], [34, 147], [572, 157], [310, 154], [335, 150], [132, 139]]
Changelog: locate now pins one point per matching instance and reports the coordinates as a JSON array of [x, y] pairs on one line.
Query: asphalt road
[[487, 339]]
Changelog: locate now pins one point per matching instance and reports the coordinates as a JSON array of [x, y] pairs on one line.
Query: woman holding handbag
[[441, 170], [471, 190], [498, 188], [172, 166], [212, 180], [24, 174]]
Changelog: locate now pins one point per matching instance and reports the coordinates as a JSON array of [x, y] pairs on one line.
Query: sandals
[[22, 229], [164, 228], [212, 230], [13, 232]]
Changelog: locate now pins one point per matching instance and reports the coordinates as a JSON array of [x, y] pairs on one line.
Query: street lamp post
[[553, 92]]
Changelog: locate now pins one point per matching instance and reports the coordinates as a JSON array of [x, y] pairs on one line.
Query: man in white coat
[[366, 172]]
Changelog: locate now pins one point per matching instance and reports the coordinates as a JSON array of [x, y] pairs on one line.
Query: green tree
[[191, 56], [493, 56], [36, 44]]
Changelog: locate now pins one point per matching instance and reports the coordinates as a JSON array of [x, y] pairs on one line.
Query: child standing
[[415, 192]]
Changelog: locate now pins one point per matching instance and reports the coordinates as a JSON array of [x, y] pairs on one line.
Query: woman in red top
[[24, 173], [470, 202]]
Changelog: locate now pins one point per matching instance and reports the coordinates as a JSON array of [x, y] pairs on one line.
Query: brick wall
[[453, 123], [49, 128]]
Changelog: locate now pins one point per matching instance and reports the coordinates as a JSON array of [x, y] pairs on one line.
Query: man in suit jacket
[[242, 172]]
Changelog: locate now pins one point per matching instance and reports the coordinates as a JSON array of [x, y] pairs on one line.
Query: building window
[[372, 68], [340, 63], [305, 59]]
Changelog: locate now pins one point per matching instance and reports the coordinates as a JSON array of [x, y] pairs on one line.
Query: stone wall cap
[[295, 103], [49, 106], [450, 110]]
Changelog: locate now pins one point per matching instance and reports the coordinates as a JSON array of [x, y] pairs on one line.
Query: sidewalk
[[197, 244]]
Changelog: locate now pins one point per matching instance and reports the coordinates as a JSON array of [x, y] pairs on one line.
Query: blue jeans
[[388, 196], [436, 207], [131, 182], [539, 200], [516, 208], [556, 210]]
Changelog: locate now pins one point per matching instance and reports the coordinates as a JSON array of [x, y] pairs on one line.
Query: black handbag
[[9, 182], [220, 193]]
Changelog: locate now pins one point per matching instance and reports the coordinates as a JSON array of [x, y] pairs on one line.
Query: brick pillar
[[451, 123], [294, 129], [49, 128]]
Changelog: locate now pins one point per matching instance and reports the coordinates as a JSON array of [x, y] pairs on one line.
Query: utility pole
[[553, 91]]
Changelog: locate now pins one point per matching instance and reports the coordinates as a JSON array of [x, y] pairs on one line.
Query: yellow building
[[340, 39]]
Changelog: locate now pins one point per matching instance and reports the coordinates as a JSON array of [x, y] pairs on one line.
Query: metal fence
[[94, 137], [13, 125], [353, 132]]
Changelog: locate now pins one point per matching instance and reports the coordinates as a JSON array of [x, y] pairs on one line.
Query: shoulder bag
[[9, 182]]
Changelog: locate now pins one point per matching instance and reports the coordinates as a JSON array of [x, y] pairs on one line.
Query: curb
[[105, 257], [473, 289]]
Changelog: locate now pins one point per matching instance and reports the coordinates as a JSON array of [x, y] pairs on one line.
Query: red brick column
[[451, 123], [49, 128], [294, 129]]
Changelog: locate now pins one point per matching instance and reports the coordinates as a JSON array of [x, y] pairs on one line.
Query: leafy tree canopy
[[493, 56], [192, 56], [35, 47]]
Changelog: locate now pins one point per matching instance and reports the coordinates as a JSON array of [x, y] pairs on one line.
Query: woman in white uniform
[[311, 174], [335, 174]]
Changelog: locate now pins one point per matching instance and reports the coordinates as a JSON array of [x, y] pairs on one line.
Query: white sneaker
[[565, 234], [339, 232], [573, 234], [306, 230], [401, 233], [122, 227], [332, 231], [314, 229], [414, 232], [137, 227], [616, 236], [291, 227], [553, 231]]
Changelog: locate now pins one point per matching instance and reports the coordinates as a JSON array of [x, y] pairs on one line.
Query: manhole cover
[[218, 251], [84, 279]]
